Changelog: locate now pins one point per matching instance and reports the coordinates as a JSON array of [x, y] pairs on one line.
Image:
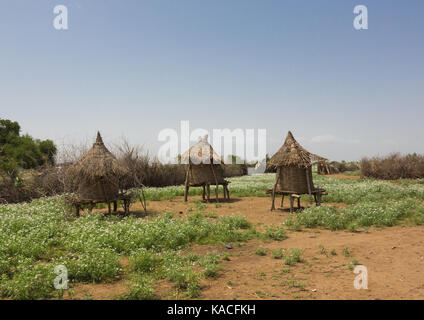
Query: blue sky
[[133, 68]]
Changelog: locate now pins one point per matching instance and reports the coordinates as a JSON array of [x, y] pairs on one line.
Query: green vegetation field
[[35, 237]]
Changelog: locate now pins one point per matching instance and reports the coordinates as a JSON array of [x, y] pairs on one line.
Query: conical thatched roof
[[293, 154], [96, 164], [202, 153]]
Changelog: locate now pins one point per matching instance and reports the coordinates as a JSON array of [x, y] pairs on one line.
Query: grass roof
[[293, 154], [96, 164], [202, 153]]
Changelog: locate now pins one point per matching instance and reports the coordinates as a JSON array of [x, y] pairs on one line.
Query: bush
[[393, 167], [345, 166]]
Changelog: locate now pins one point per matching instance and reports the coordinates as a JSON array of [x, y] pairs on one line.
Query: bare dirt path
[[393, 256]]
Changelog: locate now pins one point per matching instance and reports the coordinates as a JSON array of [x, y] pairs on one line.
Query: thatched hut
[[205, 168], [96, 175], [324, 168], [294, 171]]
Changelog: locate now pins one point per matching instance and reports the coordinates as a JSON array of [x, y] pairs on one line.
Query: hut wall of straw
[[97, 191], [293, 179], [202, 174]]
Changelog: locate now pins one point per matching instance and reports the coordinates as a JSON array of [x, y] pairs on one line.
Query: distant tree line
[[22, 151]]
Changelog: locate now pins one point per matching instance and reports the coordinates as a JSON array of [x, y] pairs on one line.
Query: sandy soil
[[393, 256]]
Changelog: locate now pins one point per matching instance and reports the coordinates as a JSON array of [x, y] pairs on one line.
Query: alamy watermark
[[60, 21], [361, 280], [244, 144], [61, 281], [360, 22]]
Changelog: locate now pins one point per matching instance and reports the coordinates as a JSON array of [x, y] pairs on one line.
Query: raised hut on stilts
[[205, 168], [294, 173], [324, 168], [95, 177]]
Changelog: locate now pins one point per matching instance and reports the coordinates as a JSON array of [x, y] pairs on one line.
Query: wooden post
[[77, 210], [319, 196], [228, 191], [282, 201], [225, 192], [115, 206], [203, 192], [186, 184], [274, 189], [291, 203], [216, 182], [108, 208], [298, 203], [208, 189], [309, 185]]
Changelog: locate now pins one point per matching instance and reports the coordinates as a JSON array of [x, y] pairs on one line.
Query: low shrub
[[394, 166]]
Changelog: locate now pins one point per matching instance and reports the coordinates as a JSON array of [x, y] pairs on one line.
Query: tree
[[49, 150], [8, 130], [22, 152]]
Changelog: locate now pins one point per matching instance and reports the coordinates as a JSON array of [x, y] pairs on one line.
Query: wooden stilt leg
[[282, 202], [77, 210], [115, 206], [185, 193], [291, 204], [216, 193], [109, 212], [186, 184], [208, 188], [216, 182], [228, 192], [273, 194], [298, 203], [225, 192], [309, 185], [127, 206], [203, 192]]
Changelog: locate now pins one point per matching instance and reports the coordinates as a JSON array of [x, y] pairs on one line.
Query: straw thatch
[[293, 154], [294, 180], [202, 174], [97, 173], [205, 168], [294, 167], [201, 153], [294, 172], [204, 164]]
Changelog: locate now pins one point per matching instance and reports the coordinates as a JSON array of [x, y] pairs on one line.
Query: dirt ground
[[394, 258]]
